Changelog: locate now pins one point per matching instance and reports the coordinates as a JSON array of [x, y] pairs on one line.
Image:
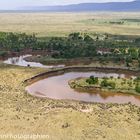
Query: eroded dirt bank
[[59, 71]]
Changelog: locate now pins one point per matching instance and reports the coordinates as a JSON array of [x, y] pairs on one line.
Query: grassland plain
[[21, 113], [61, 24]]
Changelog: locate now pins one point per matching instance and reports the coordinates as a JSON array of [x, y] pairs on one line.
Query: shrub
[[138, 78], [112, 85], [3, 53], [105, 83], [89, 81], [92, 80], [137, 88]]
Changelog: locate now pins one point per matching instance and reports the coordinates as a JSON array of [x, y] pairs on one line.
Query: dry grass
[[22, 113], [61, 24]]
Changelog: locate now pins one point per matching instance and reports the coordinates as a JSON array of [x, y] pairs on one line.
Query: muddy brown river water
[[56, 87]]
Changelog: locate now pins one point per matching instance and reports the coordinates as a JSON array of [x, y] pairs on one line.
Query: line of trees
[[75, 45]]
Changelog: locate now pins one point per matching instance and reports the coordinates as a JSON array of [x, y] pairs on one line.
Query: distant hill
[[111, 6]]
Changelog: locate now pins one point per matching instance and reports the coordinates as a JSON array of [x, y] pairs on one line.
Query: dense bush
[[137, 88], [3, 53], [108, 84], [92, 80]]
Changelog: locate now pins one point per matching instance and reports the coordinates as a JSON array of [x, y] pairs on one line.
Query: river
[[56, 87]]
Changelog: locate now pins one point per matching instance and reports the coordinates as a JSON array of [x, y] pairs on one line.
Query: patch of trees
[[73, 46], [105, 83], [116, 22], [16, 41], [108, 84]]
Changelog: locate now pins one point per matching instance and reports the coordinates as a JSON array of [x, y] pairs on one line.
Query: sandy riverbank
[[22, 113]]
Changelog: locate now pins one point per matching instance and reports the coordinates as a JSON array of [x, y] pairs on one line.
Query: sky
[[14, 4]]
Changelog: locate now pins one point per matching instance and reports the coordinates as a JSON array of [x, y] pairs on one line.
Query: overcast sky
[[12, 4]]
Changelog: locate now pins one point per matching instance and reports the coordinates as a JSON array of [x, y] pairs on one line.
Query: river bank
[[47, 60], [97, 61], [60, 71]]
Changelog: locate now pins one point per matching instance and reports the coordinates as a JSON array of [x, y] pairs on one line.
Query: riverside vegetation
[[100, 47], [119, 84]]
